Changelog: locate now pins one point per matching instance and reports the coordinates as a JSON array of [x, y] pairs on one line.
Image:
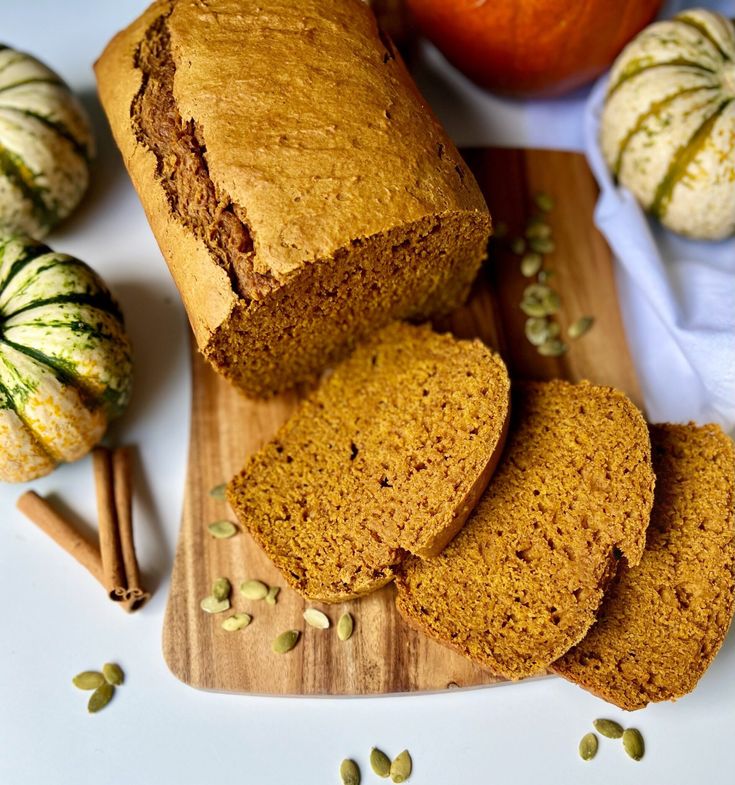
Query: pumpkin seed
[[580, 327], [533, 308], [552, 348], [286, 641], [238, 621], [633, 743], [536, 291], [545, 276], [544, 202], [315, 618], [221, 589], [609, 728], [531, 264], [88, 680], [536, 228], [400, 769], [212, 605], [551, 303], [345, 626], [379, 762], [219, 492], [100, 697], [272, 597], [542, 244], [537, 330], [222, 530], [554, 329], [588, 746], [518, 246], [349, 772], [113, 673], [254, 590]]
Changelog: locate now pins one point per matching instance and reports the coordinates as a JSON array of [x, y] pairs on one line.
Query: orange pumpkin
[[532, 47]]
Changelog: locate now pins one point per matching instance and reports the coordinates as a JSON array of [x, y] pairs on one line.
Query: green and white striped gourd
[[65, 359], [45, 146], [668, 125]]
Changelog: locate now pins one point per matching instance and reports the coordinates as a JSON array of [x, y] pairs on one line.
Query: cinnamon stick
[[40, 512], [135, 595], [113, 569]]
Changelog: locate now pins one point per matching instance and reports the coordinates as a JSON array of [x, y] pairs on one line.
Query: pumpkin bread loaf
[[301, 191], [663, 620], [389, 455], [523, 580]]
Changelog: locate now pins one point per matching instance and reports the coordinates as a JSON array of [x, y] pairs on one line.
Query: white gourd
[[668, 125]]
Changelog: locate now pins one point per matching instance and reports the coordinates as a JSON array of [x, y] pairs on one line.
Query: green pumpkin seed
[[100, 697], [238, 621], [552, 348], [609, 728], [553, 330], [349, 772], [544, 202], [400, 769], [286, 641], [531, 264], [219, 492], [588, 746], [272, 597], [113, 673], [221, 589], [537, 229], [542, 245], [536, 291], [88, 680], [518, 246], [633, 743], [545, 276], [345, 625], [537, 330], [580, 327], [253, 590], [212, 605], [379, 762], [315, 618], [551, 303], [222, 530], [533, 308]]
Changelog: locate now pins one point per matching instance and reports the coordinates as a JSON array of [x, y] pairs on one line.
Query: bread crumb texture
[[379, 461], [523, 580], [663, 621]]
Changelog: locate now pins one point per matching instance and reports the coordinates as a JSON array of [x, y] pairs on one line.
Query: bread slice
[[299, 187], [389, 455], [663, 620], [522, 582]]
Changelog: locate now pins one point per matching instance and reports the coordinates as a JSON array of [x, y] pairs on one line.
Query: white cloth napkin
[[677, 297]]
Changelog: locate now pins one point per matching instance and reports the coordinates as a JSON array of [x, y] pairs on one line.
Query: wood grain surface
[[383, 655]]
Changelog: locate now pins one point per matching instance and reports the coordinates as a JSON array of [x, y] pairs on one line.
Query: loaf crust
[[351, 204]]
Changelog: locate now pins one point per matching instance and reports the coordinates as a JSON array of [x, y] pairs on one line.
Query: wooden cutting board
[[383, 655]]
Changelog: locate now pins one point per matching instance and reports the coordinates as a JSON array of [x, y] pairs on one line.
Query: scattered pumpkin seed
[[100, 697], [609, 728], [345, 625], [222, 530], [554, 329], [542, 244], [212, 605], [400, 769], [580, 327], [545, 276], [272, 597], [518, 246], [379, 763], [88, 680], [536, 228], [238, 621], [315, 618], [113, 673], [533, 308], [551, 302], [254, 590], [219, 492], [544, 202], [537, 330], [633, 743], [531, 264], [588, 746], [552, 348], [221, 589], [349, 771], [286, 641]]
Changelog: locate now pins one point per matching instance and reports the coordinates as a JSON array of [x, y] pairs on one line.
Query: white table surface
[[56, 620]]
